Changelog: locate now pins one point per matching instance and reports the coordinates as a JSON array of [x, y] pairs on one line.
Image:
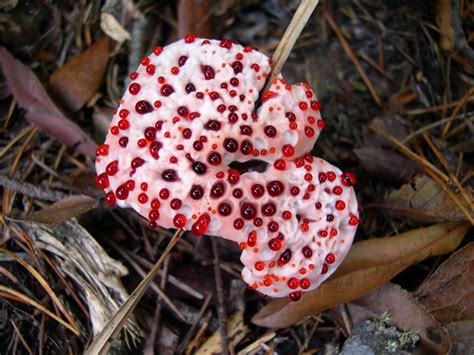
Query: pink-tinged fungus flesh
[[187, 114]]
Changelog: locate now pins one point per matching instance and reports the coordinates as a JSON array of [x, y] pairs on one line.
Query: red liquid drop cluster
[[188, 113]]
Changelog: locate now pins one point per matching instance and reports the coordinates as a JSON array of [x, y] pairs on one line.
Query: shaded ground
[[422, 91]]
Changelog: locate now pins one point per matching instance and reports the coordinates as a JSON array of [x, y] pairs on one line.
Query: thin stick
[[301, 16], [350, 53], [458, 108], [220, 299], [116, 323], [438, 176], [445, 164]]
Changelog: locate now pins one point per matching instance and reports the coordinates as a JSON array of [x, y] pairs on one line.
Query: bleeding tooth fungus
[[187, 114]]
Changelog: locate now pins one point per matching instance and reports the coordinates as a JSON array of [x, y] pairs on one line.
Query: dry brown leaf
[[40, 110], [424, 201], [386, 165], [64, 209], [399, 303], [366, 267], [449, 293], [462, 337], [81, 77]]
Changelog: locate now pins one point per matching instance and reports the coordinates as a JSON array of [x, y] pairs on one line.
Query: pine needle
[[116, 323]]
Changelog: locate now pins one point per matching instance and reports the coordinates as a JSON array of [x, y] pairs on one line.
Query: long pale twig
[[458, 108], [116, 323], [301, 16], [220, 299]]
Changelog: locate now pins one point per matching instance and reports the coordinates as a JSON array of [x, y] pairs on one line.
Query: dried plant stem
[[220, 299], [116, 323], [445, 164], [301, 16], [350, 53], [439, 177], [459, 106]]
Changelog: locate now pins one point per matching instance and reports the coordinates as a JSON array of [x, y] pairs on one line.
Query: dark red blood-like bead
[[245, 130], [169, 175], [252, 238], [307, 252], [275, 188], [330, 258], [142, 107], [246, 147], [248, 210], [166, 90], [273, 226], [257, 190], [182, 60], [231, 145], [200, 226], [197, 145], [123, 142], [208, 72], [109, 198], [295, 296], [239, 223], [257, 222], [305, 283], [121, 193], [234, 176], [348, 179], [213, 125], [179, 220], [224, 209], [175, 204], [237, 193], [293, 283], [196, 192], [274, 244], [238, 67], [217, 190], [284, 257], [154, 149], [268, 209], [322, 177], [214, 158], [190, 88], [199, 168], [187, 133], [137, 162], [270, 131], [102, 181], [295, 190], [134, 88], [280, 164], [112, 168]]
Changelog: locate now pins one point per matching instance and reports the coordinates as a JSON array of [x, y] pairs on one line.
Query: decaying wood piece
[[87, 263]]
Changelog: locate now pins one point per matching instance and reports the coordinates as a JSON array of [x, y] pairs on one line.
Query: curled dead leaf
[[40, 109], [64, 209], [80, 78], [449, 293], [366, 267], [386, 165], [424, 201]]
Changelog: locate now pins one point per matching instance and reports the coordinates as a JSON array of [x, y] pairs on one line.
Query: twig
[[116, 323], [22, 339], [220, 299], [27, 189], [350, 53], [191, 330], [301, 16], [458, 107], [439, 177], [445, 164]]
